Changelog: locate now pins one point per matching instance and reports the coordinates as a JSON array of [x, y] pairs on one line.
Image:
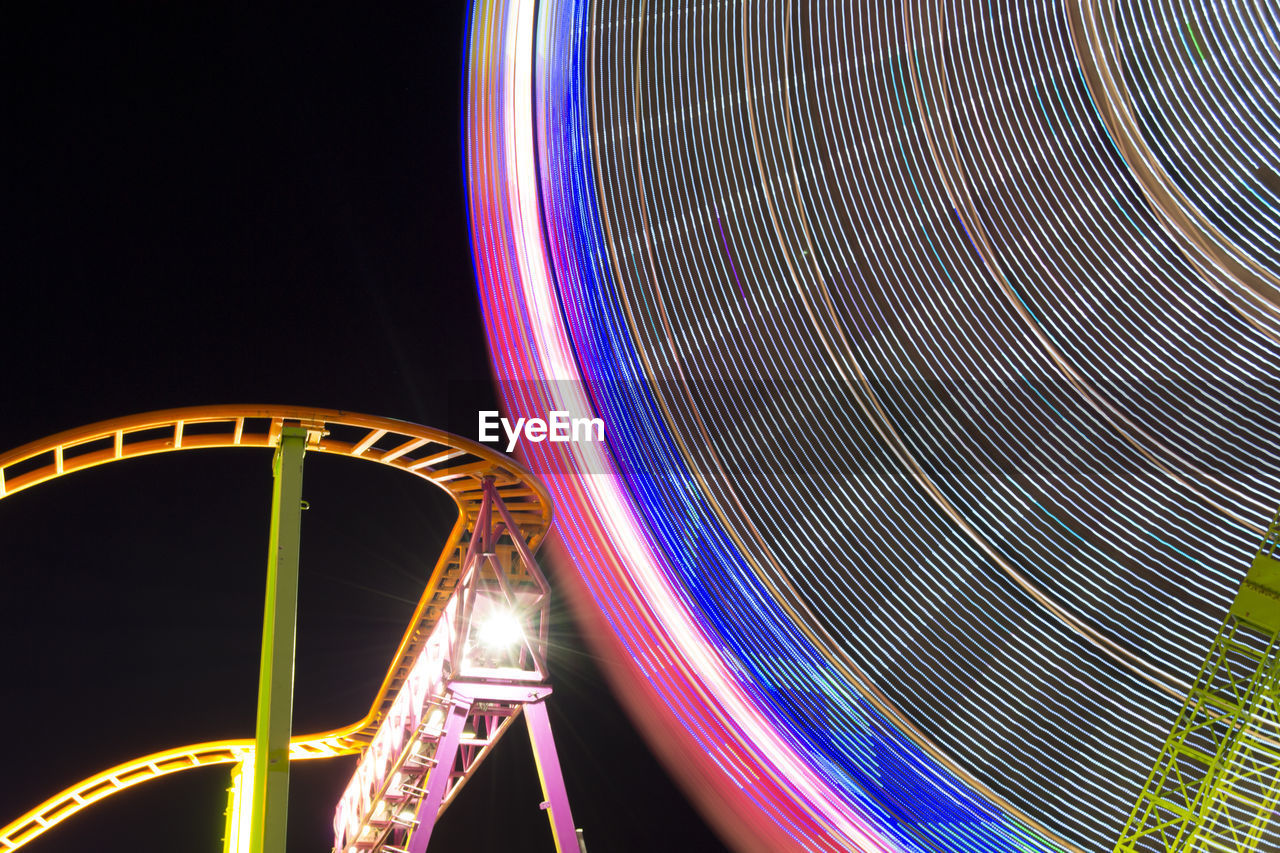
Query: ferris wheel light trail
[[935, 373]]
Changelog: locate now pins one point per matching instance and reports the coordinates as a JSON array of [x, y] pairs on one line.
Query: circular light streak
[[937, 352]]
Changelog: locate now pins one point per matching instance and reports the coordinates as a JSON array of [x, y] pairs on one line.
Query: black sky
[[215, 205]]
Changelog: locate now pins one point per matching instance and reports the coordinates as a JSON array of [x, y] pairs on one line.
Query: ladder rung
[[1248, 651], [420, 762], [401, 820]]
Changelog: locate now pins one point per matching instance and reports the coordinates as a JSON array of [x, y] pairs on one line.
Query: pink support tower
[[483, 664]]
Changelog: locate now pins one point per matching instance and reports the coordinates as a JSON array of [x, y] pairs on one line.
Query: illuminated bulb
[[501, 630], [435, 720]]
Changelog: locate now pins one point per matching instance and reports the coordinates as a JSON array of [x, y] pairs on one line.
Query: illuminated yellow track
[[454, 464]]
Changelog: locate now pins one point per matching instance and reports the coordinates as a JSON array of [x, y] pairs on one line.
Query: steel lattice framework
[[460, 467], [1216, 784], [462, 694]]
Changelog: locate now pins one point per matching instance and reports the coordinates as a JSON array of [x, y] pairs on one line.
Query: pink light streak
[[750, 780]]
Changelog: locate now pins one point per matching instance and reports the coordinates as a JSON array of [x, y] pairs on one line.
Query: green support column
[[275, 679]]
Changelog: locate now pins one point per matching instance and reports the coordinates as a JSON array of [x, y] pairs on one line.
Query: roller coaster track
[[454, 464]]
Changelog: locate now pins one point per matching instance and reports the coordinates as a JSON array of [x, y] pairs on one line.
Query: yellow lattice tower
[[1216, 784]]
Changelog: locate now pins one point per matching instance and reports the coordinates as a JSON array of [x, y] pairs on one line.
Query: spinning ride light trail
[[936, 348], [476, 478]]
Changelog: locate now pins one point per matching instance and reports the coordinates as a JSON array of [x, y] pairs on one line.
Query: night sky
[[207, 205]]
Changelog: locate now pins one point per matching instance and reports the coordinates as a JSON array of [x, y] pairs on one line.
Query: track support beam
[[555, 798], [269, 817], [439, 778], [483, 665]]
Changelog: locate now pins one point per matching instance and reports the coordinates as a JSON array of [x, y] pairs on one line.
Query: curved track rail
[[454, 464]]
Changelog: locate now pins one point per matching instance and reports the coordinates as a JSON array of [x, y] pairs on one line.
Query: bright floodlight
[[501, 630]]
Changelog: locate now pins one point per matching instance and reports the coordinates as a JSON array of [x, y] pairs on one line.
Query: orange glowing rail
[[455, 464]]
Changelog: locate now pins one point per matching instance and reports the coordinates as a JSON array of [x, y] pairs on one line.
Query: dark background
[[217, 205]]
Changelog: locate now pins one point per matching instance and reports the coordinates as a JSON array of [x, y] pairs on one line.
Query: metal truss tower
[[482, 666], [1216, 784]]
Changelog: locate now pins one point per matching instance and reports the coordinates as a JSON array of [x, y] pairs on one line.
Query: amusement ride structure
[[939, 351], [1216, 783], [472, 659]]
